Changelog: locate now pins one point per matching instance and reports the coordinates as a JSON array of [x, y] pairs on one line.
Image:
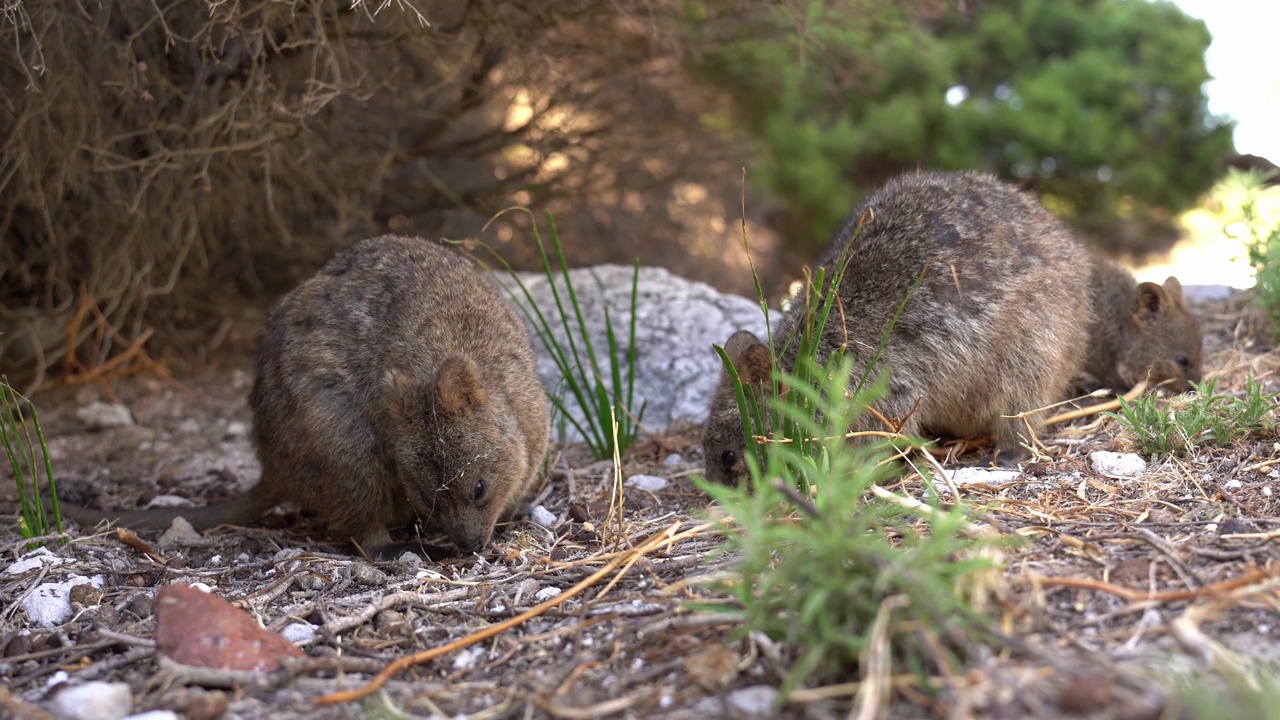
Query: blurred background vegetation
[[169, 168]]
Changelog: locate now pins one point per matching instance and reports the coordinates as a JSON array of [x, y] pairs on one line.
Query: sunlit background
[[1246, 87]]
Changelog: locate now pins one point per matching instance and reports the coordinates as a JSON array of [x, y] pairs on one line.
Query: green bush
[[1262, 241], [20, 448], [1201, 418]]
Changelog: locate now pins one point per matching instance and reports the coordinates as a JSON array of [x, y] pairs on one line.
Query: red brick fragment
[[203, 630]]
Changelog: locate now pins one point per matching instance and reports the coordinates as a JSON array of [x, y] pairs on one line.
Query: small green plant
[[1262, 241], [20, 448], [594, 390], [834, 569], [1203, 417], [1250, 695]]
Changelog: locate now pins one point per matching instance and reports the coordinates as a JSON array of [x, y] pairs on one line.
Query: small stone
[[189, 426], [298, 633], [155, 715], [469, 658], [647, 483], [754, 701], [542, 516], [179, 534], [236, 429], [50, 604], [672, 460], [169, 501], [33, 560], [92, 701], [1116, 465], [203, 630], [410, 559], [98, 415], [985, 476], [84, 596], [546, 594]]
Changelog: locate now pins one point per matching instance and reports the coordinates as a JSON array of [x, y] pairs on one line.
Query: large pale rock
[[677, 320]]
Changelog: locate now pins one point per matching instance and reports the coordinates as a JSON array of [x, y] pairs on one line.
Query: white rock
[[189, 426], [648, 483], [468, 658], [546, 594], [169, 501], [155, 715], [677, 320], [50, 604], [542, 516], [236, 429], [756, 700], [298, 633], [672, 460], [100, 416], [92, 701], [988, 476], [179, 534], [1233, 484], [1116, 465], [33, 560]]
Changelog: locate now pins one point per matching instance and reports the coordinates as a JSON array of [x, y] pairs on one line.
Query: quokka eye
[[729, 458], [1183, 361], [479, 491]]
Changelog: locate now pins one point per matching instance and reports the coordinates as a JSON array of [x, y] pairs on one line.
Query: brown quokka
[[396, 383], [1003, 322]]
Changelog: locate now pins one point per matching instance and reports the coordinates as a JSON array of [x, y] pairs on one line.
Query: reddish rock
[[200, 629]]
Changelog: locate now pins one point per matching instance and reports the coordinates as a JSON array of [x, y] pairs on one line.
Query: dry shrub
[[171, 157], [179, 159]]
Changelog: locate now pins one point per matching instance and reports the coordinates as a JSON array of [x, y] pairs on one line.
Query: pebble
[[299, 632], [1116, 465], [33, 560], [98, 415], [236, 429], [988, 476], [648, 483], [672, 460], [92, 701], [546, 594], [50, 603], [754, 701], [542, 516], [189, 426], [155, 715]]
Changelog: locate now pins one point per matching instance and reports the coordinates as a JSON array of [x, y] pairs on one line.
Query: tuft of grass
[[838, 572], [1249, 695], [596, 389], [1203, 417], [844, 575], [20, 448], [1262, 242]]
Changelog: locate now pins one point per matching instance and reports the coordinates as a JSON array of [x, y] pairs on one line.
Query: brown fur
[[1009, 332], [396, 383], [1004, 334], [1138, 327]]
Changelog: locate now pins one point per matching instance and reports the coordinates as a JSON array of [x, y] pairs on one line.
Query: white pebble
[[50, 604], [988, 476], [93, 701], [672, 460], [33, 560], [648, 483], [189, 426], [542, 516], [468, 658], [298, 633], [1233, 484], [236, 429], [1116, 465], [756, 700], [155, 715], [100, 416], [546, 594]]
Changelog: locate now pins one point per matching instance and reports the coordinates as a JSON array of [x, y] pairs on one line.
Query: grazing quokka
[[1002, 323], [395, 384]]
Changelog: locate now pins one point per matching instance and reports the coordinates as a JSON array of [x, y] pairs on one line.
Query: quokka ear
[[754, 364], [1149, 299], [739, 341], [1173, 289], [458, 385]]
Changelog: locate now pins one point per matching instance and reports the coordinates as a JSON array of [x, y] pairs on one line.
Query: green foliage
[[830, 566], [1201, 418], [1249, 695], [20, 448], [1262, 240], [602, 397], [1098, 104]]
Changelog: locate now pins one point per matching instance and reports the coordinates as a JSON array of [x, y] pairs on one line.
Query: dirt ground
[[1122, 590]]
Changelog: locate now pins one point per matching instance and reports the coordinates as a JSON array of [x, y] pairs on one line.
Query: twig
[[665, 537]]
